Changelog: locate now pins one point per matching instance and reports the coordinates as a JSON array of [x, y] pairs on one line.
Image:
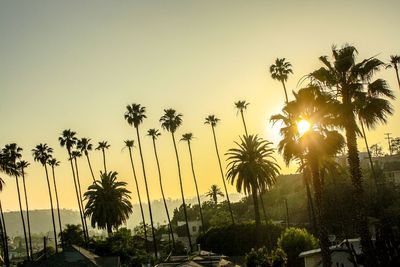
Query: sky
[[77, 64]]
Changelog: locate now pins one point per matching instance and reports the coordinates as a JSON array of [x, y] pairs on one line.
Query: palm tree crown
[[281, 69], [211, 120], [171, 120], [84, 145], [214, 192], [103, 145], [68, 139], [187, 137], [241, 105], [135, 114], [42, 153], [154, 133]]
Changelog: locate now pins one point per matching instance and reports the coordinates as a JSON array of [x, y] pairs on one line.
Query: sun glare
[[303, 126]]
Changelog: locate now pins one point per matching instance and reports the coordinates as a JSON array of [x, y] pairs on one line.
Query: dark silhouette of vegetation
[[280, 71], [72, 235], [53, 162], [395, 63], [103, 145], [214, 192], [84, 146]]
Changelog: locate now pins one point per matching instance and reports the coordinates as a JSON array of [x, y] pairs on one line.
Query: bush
[[238, 239], [262, 258], [293, 241]]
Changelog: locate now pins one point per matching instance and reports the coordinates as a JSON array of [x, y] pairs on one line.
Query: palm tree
[[129, 145], [212, 121], [42, 153], [21, 166], [188, 138], [69, 140], [85, 146], [154, 134], [214, 192], [170, 121], [12, 152], [134, 116], [103, 146], [74, 156], [280, 71], [253, 167], [54, 163], [353, 83], [108, 202], [394, 63], [315, 147], [4, 168], [241, 105]]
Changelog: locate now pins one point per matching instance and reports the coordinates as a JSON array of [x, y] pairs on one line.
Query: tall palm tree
[[12, 152], [54, 163], [4, 168], [354, 85], [103, 145], [108, 202], [42, 153], [214, 192], [129, 144], [280, 72], [170, 121], [253, 167], [134, 116], [154, 134], [21, 166], [85, 146], [395, 63], [74, 156], [212, 121], [68, 140], [314, 147], [241, 105], [188, 138]]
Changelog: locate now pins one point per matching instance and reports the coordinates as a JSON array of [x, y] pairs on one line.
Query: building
[[194, 227]]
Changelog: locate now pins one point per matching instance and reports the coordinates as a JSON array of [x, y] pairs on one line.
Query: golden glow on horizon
[[303, 126]]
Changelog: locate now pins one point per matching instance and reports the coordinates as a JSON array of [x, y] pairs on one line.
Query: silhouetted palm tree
[[353, 82], [108, 202], [69, 140], [12, 152], [253, 167], [134, 116], [188, 138], [4, 168], [280, 71], [21, 166], [54, 163], [214, 193], [170, 121], [103, 146], [129, 145], [241, 105], [42, 153], [212, 121], [85, 146], [154, 134], [395, 63]]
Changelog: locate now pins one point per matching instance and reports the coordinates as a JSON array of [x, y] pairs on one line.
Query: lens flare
[[303, 126]]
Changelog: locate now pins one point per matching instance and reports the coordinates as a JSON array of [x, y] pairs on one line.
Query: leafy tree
[[214, 192], [395, 145], [280, 72], [72, 235], [103, 145], [108, 202], [377, 150]]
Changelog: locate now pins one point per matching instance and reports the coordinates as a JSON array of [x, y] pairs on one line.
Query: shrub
[[262, 258]]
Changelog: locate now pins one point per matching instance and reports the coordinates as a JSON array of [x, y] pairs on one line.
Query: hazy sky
[[77, 64]]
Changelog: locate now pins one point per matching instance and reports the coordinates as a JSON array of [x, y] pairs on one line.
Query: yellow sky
[[74, 64]]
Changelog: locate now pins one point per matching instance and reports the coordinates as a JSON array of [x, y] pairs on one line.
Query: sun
[[303, 126]]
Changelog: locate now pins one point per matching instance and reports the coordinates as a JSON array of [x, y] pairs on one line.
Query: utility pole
[[389, 139]]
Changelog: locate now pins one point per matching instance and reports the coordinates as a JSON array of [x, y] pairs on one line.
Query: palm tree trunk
[[222, 175], [310, 203], [256, 214], [27, 212], [90, 167], [322, 231], [22, 218], [162, 193], [77, 197], [284, 89], [197, 189], [140, 200], [3, 223], [80, 197], [58, 206], [182, 194], [369, 155], [244, 122], [147, 194], [51, 208], [104, 160], [263, 207], [397, 74], [3, 241]]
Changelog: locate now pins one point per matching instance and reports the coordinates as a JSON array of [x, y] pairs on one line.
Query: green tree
[[280, 72], [103, 145], [395, 63], [188, 138], [53, 163], [214, 192], [353, 83], [135, 115], [108, 202], [170, 121], [42, 153], [212, 120], [252, 167], [85, 146], [154, 134], [72, 235], [129, 144]]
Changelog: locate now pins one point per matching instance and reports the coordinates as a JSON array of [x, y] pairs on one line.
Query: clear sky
[[77, 64]]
